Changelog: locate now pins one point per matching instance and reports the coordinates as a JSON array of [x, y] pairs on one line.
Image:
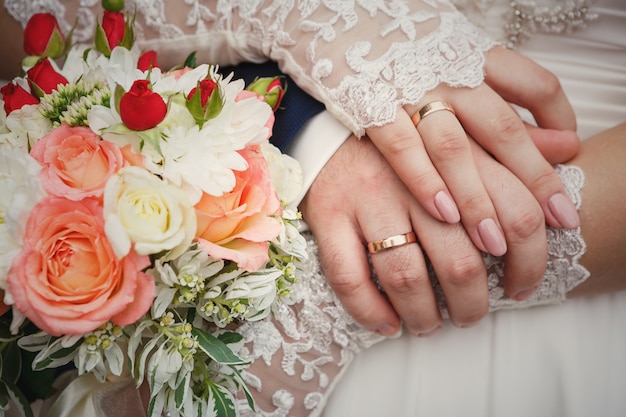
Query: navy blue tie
[[296, 108]]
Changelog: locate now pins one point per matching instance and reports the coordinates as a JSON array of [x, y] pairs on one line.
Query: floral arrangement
[[141, 212]]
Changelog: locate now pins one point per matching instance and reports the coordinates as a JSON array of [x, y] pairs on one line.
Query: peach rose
[[67, 279], [237, 225], [76, 162]]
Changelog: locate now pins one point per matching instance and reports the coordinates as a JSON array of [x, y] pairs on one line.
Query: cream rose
[[143, 210]]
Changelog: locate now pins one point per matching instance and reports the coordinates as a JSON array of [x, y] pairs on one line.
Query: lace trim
[[312, 338], [410, 69], [320, 43]]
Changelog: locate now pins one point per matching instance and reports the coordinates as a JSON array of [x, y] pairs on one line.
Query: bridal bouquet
[[142, 211]]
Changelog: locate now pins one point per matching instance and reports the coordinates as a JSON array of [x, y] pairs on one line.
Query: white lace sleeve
[[299, 354], [362, 58]]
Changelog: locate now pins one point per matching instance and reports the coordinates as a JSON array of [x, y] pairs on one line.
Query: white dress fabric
[[564, 360]]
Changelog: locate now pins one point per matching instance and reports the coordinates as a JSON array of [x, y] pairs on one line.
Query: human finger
[[523, 223], [445, 144], [351, 179], [401, 145], [400, 267], [556, 146], [448, 147], [458, 265], [535, 88], [504, 135]]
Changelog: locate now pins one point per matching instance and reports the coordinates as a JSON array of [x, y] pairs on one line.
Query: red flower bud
[[44, 78], [270, 88], [205, 101], [141, 108], [206, 87], [15, 97], [43, 37], [114, 27], [147, 60]]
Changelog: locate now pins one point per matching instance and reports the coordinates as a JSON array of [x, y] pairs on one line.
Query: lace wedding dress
[[362, 71]]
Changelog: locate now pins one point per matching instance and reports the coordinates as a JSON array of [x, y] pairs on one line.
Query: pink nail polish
[[564, 210], [447, 208], [492, 237]]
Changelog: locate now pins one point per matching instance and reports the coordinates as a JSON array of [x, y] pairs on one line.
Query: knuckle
[[400, 144], [550, 84], [402, 278], [525, 224], [449, 146], [508, 127], [463, 270], [544, 179]]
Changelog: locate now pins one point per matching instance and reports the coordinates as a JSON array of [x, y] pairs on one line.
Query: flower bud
[[15, 97], [205, 101], [270, 88], [147, 60], [43, 78], [141, 108], [113, 31], [43, 37]]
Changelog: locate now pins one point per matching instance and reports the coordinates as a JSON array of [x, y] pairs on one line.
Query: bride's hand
[[434, 160], [358, 198]]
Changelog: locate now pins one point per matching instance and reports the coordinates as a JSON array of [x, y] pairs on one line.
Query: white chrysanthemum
[[242, 121], [198, 161], [20, 190], [285, 173], [27, 126], [175, 82]]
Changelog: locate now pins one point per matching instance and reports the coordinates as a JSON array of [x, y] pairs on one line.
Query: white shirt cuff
[[318, 139]]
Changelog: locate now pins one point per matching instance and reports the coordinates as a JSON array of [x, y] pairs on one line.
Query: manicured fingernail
[[525, 294], [564, 210], [492, 237], [446, 207], [387, 330]]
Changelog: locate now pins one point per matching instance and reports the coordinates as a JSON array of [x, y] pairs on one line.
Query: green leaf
[[215, 104], [58, 356], [11, 362], [222, 401], [101, 41], [19, 399], [216, 349], [230, 337], [190, 61], [244, 387]]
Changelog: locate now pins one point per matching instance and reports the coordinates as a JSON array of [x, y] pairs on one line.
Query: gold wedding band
[[429, 109], [391, 242]]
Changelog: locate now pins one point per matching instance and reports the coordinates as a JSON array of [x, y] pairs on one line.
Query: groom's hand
[[358, 198]]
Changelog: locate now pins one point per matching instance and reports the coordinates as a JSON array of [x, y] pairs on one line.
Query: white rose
[[285, 172], [152, 214], [27, 126]]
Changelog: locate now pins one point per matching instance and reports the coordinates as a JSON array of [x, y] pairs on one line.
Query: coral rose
[[237, 225], [75, 162], [67, 279]]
